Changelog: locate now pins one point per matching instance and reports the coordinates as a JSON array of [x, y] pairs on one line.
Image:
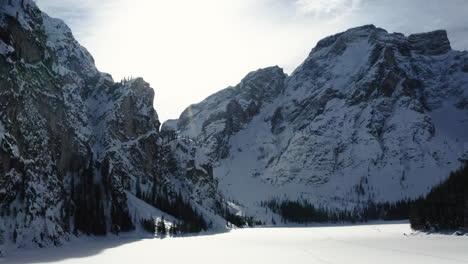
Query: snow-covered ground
[[390, 242]]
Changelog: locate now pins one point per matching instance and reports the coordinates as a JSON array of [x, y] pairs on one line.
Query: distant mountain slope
[[368, 116]]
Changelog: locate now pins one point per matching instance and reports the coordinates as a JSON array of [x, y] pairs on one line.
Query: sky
[[188, 50]]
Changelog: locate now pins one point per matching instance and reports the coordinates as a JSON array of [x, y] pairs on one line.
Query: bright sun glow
[[187, 50]]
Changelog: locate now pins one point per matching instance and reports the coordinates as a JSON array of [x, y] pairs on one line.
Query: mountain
[[79, 153], [369, 116]]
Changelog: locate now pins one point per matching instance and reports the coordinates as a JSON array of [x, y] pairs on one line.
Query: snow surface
[[385, 242]]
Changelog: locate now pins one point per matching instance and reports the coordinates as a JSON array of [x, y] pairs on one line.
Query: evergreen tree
[[445, 207], [15, 235], [161, 227], [148, 225], [138, 189]]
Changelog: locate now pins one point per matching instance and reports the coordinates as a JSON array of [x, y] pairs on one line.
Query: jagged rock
[[227, 117], [430, 43]]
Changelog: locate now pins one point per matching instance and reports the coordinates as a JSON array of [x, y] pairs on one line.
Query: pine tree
[[173, 229], [161, 227], [138, 189], [15, 235]]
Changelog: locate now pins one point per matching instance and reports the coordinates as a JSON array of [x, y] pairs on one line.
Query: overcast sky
[[190, 49]]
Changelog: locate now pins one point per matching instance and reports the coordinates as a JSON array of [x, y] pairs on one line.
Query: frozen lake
[[373, 243]]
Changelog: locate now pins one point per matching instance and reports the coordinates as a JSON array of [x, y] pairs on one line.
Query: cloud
[[324, 8], [80, 15]]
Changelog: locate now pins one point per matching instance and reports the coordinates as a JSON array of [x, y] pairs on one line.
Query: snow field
[[387, 242]]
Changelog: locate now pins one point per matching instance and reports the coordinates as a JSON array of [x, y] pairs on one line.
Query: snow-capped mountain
[[369, 115], [79, 152]]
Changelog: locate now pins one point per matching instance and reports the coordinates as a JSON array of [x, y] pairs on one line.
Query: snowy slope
[[368, 116]]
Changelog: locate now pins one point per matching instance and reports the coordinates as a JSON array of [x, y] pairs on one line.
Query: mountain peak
[[430, 43], [268, 72], [338, 41], [368, 28]]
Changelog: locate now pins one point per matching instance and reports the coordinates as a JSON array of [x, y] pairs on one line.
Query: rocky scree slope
[[368, 116]]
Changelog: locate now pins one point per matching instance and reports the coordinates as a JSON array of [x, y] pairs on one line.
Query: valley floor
[[387, 242]]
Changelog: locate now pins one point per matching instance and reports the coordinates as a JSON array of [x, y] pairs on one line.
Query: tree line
[[445, 207], [302, 211], [175, 205], [239, 220]]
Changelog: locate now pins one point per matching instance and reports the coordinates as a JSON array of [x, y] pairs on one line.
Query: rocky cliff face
[[227, 112], [369, 115], [75, 146]]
